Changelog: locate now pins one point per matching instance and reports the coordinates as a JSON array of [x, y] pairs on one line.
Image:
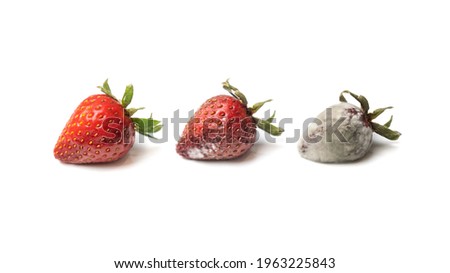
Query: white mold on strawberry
[[343, 132]]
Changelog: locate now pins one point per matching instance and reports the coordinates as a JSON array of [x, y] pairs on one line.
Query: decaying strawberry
[[223, 128], [344, 132], [101, 129]]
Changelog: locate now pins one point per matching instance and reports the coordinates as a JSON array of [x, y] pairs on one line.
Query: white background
[[386, 213]]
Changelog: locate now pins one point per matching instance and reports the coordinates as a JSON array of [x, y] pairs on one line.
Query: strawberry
[[352, 138], [101, 129], [223, 128]]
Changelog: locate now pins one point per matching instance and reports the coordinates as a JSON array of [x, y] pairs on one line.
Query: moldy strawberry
[[223, 128], [344, 132]]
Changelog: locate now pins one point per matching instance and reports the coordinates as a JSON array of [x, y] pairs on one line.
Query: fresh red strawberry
[[101, 129], [223, 128]]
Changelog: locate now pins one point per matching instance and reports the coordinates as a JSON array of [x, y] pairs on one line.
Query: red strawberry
[[223, 128], [101, 129]]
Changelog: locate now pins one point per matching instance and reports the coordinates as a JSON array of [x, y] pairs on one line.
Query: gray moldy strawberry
[[223, 128], [102, 129], [344, 132]]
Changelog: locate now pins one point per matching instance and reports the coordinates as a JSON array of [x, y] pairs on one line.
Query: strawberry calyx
[[382, 130], [145, 126], [266, 125]]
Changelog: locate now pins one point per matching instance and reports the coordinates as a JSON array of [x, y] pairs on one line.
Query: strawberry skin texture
[[222, 128], [98, 131]]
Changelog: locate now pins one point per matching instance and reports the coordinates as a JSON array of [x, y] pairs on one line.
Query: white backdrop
[[386, 213]]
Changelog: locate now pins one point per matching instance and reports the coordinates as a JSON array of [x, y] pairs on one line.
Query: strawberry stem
[[145, 126], [382, 130], [388, 124], [257, 106], [265, 125], [127, 96], [106, 89], [132, 111], [235, 92], [361, 99]]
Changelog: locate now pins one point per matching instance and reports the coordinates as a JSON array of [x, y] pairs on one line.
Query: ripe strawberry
[[223, 128], [352, 137], [101, 129]]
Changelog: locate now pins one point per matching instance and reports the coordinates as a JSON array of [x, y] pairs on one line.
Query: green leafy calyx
[[265, 125], [382, 130], [145, 126]]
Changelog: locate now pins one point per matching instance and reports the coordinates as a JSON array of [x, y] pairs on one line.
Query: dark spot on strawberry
[[303, 148], [352, 111]]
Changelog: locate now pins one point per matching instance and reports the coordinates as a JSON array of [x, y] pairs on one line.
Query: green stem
[[144, 126], [265, 125], [235, 92], [382, 130]]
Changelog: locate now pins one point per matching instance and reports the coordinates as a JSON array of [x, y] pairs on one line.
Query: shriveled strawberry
[[101, 129], [223, 128]]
